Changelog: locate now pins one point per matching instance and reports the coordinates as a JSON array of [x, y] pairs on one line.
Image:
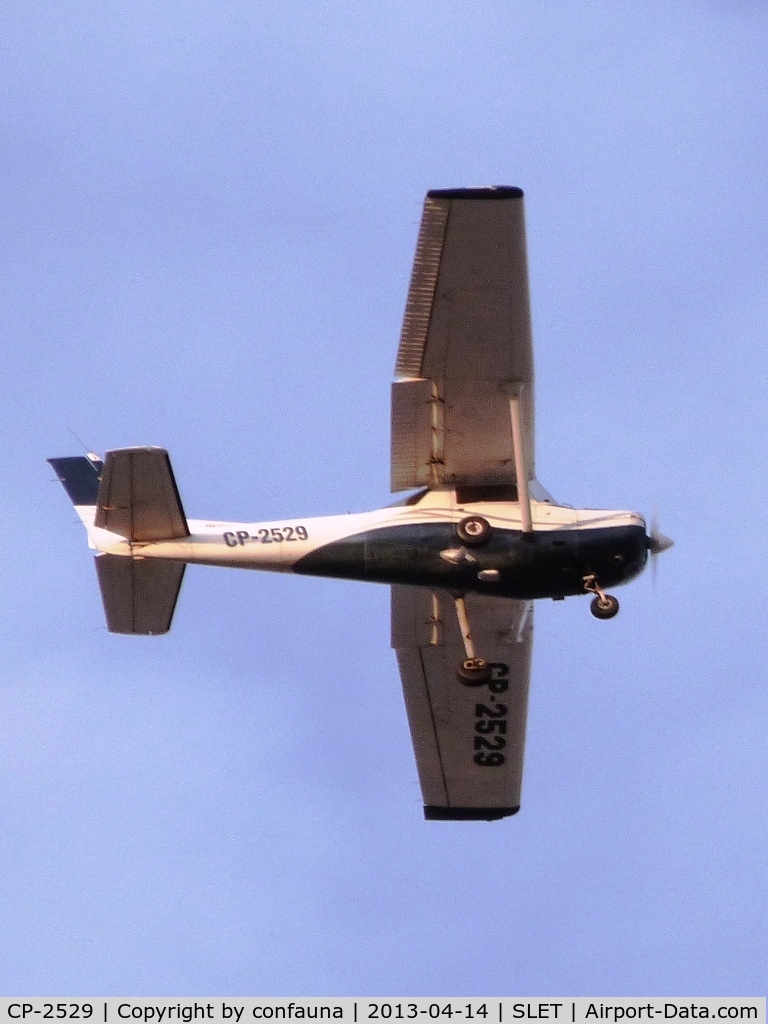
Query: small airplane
[[465, 555]]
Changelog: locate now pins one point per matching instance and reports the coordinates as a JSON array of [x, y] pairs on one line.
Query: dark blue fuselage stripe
[[552, 563]]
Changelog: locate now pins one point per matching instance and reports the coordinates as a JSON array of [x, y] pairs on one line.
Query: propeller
[[657, 542]]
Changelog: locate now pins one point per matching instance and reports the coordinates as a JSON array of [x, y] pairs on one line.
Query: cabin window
[[486, 492], [414, 499]]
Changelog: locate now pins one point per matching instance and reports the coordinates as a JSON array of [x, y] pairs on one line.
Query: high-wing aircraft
[[466, 554]]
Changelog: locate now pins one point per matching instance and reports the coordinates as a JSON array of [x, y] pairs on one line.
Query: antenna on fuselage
[[91, 456]]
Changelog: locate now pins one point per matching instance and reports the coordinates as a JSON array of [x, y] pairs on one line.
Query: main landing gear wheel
[[604, 607], [474, 672], [474, 530]]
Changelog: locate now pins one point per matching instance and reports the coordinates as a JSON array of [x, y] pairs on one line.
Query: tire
[[474, 672], [604, 609], [474, 530]]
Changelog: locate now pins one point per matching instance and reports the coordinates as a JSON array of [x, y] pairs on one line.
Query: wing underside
[[468, 740], [465, 346]]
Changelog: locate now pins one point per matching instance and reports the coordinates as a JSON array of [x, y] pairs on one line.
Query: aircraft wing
[[465, 344], [468, 740]]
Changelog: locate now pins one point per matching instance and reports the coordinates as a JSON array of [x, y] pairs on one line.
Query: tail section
[[132, 494]]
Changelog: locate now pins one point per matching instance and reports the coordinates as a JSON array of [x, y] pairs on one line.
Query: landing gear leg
[[473, 671], [602, 606]]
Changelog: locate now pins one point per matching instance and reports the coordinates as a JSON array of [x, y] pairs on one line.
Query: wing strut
[[466, 633], [472, 671], [521, 472]]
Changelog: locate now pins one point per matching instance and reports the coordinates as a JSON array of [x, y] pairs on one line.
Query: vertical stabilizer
[[80, 476]]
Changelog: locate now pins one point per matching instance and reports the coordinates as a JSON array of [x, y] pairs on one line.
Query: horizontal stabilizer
[[139, 594], [138, 498], [80, 477]]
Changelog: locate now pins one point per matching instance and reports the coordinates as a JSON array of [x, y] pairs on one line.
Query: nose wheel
[[602, 605]]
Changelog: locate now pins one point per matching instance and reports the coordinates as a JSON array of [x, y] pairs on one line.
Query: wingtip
[[432, 813], [477, 192]]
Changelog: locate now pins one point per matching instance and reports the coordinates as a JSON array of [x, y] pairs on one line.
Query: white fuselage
[[277, 545]]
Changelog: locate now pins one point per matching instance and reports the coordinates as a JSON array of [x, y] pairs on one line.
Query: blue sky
[[208, 220]]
